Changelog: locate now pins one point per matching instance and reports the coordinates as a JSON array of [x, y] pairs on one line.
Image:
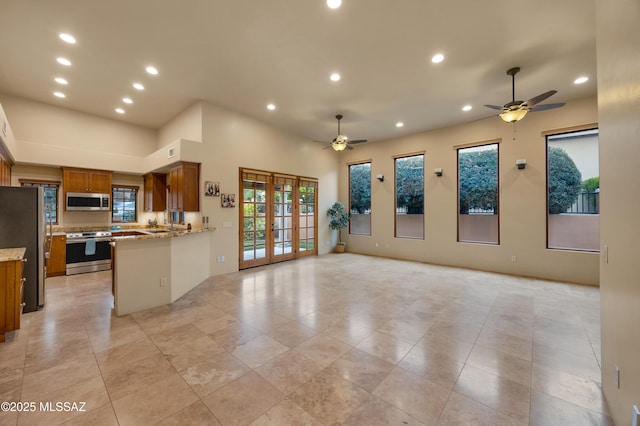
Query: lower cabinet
[[57, 262], [11, 296]]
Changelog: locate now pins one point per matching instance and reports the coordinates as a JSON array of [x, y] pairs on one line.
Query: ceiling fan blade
[[349, 147], [534, 101], [357, 141], [494, 107], [546, 106]]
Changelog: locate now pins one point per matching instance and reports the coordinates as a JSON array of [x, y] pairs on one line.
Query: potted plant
[[338, 219]]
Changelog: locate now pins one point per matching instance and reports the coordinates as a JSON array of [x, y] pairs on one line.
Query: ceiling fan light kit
[[513, 116], [516, 110], [340, 143]]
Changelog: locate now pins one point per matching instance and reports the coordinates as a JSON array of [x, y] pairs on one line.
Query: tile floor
[[336, 339]]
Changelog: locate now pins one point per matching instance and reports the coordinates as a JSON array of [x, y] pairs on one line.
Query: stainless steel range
[[88, 252]]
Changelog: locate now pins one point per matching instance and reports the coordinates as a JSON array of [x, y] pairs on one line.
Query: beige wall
[[522, 198], [6, 133], [186, 125], [230, 141], [618, 46], [50, 135]]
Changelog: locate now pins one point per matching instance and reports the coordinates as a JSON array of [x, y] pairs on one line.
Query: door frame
[[270, 179]]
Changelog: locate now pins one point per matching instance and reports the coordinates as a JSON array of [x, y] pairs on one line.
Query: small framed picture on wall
[[211, 189], [228, 200]]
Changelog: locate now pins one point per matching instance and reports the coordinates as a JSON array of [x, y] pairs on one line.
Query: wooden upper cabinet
[[184, 184], [155, 192], [86, 180], [5, 171]]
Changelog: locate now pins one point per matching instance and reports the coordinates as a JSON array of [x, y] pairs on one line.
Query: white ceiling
[[244, 54]]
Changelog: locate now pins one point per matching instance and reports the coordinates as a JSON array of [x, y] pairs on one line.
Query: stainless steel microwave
[[80, 201]]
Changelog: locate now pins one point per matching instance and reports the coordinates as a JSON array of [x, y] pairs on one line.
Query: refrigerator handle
[[47, 251]]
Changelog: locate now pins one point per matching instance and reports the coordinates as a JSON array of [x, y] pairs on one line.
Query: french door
[[277, 216]]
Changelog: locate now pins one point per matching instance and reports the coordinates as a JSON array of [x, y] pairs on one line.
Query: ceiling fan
[[341, 142], [516, 110]]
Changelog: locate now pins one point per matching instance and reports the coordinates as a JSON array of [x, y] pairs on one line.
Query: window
[[409, 172], [573, 191], [360, 199], [478, 201], [124, 203], [50, 190], [307, 192]]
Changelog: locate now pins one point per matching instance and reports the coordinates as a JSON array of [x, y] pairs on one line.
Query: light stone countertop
[[155, 233], [10, 254]]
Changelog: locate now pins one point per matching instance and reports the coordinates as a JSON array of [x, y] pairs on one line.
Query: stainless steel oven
[[88, 252]]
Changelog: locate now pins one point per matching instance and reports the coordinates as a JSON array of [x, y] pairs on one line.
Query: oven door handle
[[84, 240]]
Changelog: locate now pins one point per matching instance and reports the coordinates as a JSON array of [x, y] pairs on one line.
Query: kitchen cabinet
[[86, 180], [5, 171], [155, 192], [11, 296], [184, 187], [57, 262]]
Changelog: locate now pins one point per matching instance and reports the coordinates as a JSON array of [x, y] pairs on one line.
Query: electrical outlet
[[616, 376], [635, 420], [163, 281], [514, 259], [376, 244]]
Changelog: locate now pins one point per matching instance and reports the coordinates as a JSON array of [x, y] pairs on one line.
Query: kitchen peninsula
[[154, 269]]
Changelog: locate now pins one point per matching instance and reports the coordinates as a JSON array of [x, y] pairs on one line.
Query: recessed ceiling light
[[138, 86], [335, 76], [437, 58], [119, 110], [581, 80], [127, 100], [59, 95], [67, 38], [61, 80], [467, 108], [63, 61], [271, 107], [399, 124], [152, 70], [334, 4]]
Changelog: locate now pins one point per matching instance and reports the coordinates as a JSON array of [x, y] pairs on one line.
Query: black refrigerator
[[22, 224]]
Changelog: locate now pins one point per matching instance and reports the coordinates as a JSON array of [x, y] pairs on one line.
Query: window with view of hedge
[[573, 191], [360, 198], [409, 188], [124, 203], [478, 200]]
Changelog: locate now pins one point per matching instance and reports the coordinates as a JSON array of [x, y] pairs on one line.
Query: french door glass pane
[[254, 223]]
